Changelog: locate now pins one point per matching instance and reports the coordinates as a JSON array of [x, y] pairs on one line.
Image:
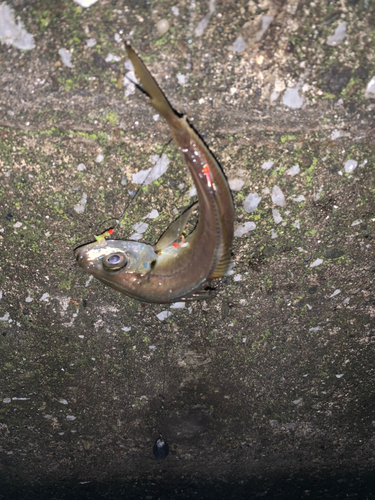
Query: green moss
[[111, 118], [287, 138]]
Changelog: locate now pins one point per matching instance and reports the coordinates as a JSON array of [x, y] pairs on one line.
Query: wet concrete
[[266, 389]]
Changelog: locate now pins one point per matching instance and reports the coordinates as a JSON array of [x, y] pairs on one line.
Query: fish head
[[117, 263]]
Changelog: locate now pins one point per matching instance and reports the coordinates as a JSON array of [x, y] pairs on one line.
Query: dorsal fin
[[152, 89], [174, 230]]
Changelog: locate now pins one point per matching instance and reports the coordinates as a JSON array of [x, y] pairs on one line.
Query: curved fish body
[[176, 268]]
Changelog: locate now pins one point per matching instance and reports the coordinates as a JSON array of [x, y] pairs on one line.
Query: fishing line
[[189, 52], [133, 198], [117, 220]]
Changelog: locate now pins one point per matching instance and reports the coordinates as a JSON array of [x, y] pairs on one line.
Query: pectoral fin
[[175, 230]]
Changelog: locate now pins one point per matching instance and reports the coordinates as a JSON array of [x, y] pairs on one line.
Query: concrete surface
[[266, 390]]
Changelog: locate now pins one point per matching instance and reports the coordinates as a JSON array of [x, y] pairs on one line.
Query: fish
[[177, 268]]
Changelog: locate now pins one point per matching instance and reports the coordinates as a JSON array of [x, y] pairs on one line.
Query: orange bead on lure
[[176, 268]]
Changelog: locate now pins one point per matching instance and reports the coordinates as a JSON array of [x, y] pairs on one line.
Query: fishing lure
[[176, 268]]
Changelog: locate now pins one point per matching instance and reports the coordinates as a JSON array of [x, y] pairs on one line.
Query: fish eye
[[115, 261]]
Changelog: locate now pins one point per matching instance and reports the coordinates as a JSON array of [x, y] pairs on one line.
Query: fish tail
[[152, 89]]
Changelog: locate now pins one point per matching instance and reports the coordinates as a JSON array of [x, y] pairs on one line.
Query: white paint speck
[[239, 45], [7, 400], [340, 375], [350, 166], [66, 56], [308, 307], [81, 167], [296, 224], [126, 328], [338, 35], [112, 58], [274, 234], [292, 171], [316, 263], [152, 174], [314, 329], [236, 184], [363, 163], [244, 229], [91, 42], [237, 277], [63, 401], [99, 158], [292, 98], [12, 32], [129, 78], [267, 165], [181, 79], [251, 202], [80, 207], [70, 417], [140, 227], [202, 25], [336, 292], [88, 280], [192, 191], [336, 134], [178, 305], [175, 10], [44, 297], [153, 214], [163, 315], [290, 426], [317, 194], [266, 21], [17, 225], [357, 222], [276, 216], [85, 3], [152, 347], [278, 197], [297, 401], [155, 117], [370, 89], [298, 199]]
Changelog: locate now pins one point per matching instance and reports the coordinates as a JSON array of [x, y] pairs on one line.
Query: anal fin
[[222, 265]]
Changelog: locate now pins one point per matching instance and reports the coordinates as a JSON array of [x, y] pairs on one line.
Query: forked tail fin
[[152, 89]]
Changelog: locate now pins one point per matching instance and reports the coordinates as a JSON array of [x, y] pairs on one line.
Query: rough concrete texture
[[266, 390]]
